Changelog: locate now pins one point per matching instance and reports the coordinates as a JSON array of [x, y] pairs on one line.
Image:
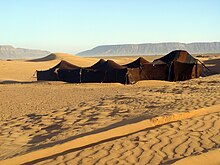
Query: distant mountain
[[152, 49], [9, 52]]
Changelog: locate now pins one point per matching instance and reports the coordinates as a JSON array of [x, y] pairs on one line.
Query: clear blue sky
[[75, 25]]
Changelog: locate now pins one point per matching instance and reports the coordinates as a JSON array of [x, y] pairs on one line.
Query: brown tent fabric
[[102, 71], [182, 66], [114, 72], [46, 75], [116, 75], [65, 65], [51, 74], [181, 71], [197, 71], [177, 55], [178, 65], [154, 72], [69, 75], [92, 76], [134, 75], [97, 65], [82, 75], [137, 63], [110, 65]]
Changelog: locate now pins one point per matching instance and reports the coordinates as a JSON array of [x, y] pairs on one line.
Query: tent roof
[[177, 55], [97, 64], [110, 65], [137, 63], [65, 65]]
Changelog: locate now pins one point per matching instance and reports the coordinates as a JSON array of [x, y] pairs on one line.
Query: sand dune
[[47, 58], [24, 71], [40, 116], [172, 141], [209, 158], [39, 124], [67, 57]]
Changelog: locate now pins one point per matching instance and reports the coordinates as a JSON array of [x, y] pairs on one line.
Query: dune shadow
[[93, 144], [213, 65], [50, 57], [18, 82], [112, 126]]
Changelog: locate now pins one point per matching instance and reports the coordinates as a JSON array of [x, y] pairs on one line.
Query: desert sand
[[150, 122]]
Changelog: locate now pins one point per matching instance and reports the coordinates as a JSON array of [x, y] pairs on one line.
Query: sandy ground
[[43, 116], [158, 145]]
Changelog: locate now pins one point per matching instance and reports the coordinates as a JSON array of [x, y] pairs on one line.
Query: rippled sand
[[42, 116]]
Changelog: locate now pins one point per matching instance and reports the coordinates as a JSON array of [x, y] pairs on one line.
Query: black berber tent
[[137, 63], [102, 71], [181, 66], [176, 66], [52, 73]]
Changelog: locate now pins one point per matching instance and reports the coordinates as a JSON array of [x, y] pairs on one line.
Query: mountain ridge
[[10, 52], [153, 48]]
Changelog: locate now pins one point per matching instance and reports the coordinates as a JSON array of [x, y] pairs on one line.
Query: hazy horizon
[[72, 27]]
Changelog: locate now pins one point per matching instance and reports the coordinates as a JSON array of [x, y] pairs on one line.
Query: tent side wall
[[197, 71], [51, 74], [182, 71], [47, 75], [133, 75], [154, 72], [92, 76], [116, 75], [69, 75]]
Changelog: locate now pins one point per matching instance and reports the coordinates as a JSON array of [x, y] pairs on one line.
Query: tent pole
[[80, 74], [169, 75], [196, 69], [203, 65], [126, 78], [35, 73]]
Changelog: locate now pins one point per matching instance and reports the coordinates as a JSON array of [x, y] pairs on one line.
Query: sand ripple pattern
[[161, 145], [34, 131]]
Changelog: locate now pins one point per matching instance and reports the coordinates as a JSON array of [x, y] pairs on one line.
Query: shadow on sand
[[47, 58], [213, 65]]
